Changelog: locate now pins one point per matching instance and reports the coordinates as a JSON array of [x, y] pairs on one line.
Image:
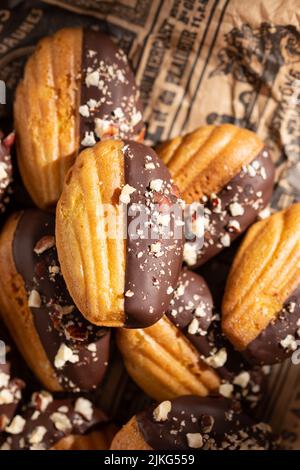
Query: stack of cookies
[[113, 249]]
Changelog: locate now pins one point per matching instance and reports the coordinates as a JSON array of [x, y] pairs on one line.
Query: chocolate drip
[[201, 424], [191, 311], [57, 321], [46, 427], [250, 191], [5, 169], [153, 259], [278, 340], [109, 102]]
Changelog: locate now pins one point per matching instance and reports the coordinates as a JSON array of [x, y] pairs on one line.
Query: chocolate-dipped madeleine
[[193, 423], [186, 353], [230, 172], [77, 88], [119, 234], [261, 305], [6, 170], [61, 347], [56, 424]]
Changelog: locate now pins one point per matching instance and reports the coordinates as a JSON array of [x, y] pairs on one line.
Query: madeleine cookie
[[5, 168], [95, 440], [261, 305], [61, 347], [230, 172], [119, 234], [10, 385], [193, 423], [77, 88], [49, 423], [186, 353], [161, 359]]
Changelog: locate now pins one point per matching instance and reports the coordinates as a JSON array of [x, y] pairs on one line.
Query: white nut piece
[[16, 426], [84, 407], [61, 421], [194, 440], [34, 299], [162, 410]]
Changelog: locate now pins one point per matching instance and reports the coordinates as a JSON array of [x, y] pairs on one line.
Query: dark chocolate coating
[[253, 193], [5, 169], [78, 425], [266, 347], [150, 276], [54, 327], [210, 339], [217, 420], [192, 293], [117, 95]]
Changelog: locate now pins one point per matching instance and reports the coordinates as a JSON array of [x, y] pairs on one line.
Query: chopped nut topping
[[216, 203], [61, 421], [54, 270], [194, 440], [156, 249], [34, 299], [64, 310], [225, 240], [92, 79], [3, 171], [41, 400], [162, 410], [44, 244], [193, 327], [129, 293], [291, 307], [88, 140], [234, 226], [65, 354], [226, 390], [84, 110], [198, 227], [266, 370], [236, 209], [125, 194], [190, 254], [4, 379], [265, 213], [35, 415], [92, 347], [200, 311], [149, 166], [163, 219], [16, 426], [156, 185], [85, 408], [289, 343], [242, 379], [218, 359], [6, 397], [37, 435]]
